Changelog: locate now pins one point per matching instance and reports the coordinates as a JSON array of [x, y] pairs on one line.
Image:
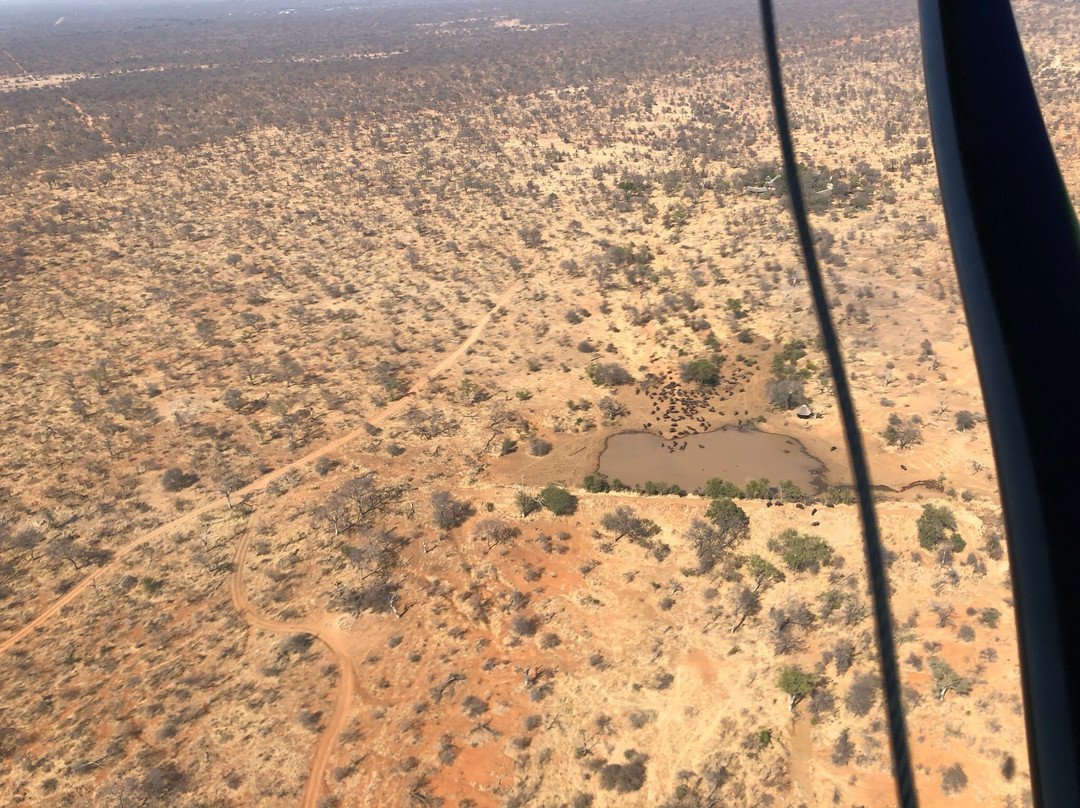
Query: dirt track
[[89, 121], [330, 635], [253, 488], [333, 637], [334, 640]]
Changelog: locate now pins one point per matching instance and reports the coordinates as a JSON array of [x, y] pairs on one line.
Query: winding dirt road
[[253, 488], [334, 639], [332, 636]]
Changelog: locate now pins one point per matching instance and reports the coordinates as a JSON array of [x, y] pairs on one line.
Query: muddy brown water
[[737, 455]]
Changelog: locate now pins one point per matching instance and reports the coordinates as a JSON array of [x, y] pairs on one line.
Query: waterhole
[[736, 455]]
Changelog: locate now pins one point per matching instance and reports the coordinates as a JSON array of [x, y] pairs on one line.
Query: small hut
[[804, 412]]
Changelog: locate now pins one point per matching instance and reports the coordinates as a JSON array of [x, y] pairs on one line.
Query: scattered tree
[[626, 777], [624, 521], [785, 361], [843, 749], [946, 679], [612, 408], [596, 483], [800, 551], [729, 518], [716, 488], [758, 489], [901, 433], [378, 594], [526, 502], [174, 479], [965, 420], [937, 526], [796, 683], [523, 626], [790, 492], [953, 779], [447, 512], [234, 399], [763, 573], [727, 524], [863, 693], [538, 447], [609, 374], [843, 655], [375, 554], [229, 485], [558, 500], [28, 539], [492, 532], [702, 372], [786, 394]]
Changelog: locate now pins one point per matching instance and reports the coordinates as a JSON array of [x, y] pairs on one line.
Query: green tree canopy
[[946, 679], [624, 521], [730, 518], [796, 683], [937, 526], [801, 551], [716, 487], [609, 374], [791, 492], [785, 362], [558, 500], [596, 483], [701, 371], [762, 571], [758, 489]]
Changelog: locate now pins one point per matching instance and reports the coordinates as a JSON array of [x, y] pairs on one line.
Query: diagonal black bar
[[905, 784], [1017, 250]]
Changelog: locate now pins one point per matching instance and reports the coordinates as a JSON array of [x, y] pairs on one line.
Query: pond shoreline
[[815, 482], [733, 453]]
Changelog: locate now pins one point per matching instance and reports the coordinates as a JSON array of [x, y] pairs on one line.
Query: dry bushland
[[305, 348]]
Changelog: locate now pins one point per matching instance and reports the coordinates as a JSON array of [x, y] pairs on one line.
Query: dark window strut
[[871, 536]]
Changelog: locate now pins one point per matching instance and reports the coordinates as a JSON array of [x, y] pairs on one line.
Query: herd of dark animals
[[681, 411]]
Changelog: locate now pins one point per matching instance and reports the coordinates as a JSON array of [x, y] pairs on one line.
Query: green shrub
[[715, 488], [558, 500], [596, 483], [701, 371], [758, 489], [609, 374], [936, 525], [801, 551]]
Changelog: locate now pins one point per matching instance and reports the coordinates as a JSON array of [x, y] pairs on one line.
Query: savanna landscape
[[422, 404]]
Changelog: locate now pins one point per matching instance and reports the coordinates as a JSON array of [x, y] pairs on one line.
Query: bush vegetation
[[801, 551], [558, 500]]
